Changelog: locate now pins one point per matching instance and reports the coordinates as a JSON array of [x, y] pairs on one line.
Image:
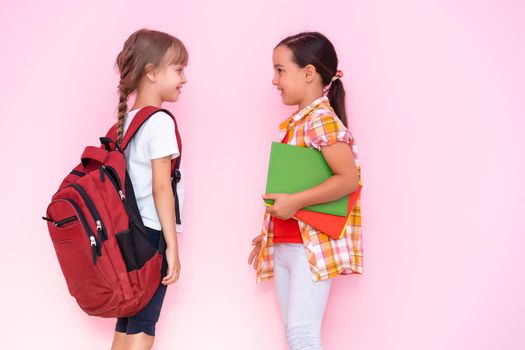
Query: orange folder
[[332, 225]]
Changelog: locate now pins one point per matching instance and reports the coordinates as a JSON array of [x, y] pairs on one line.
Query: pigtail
[[336, 96]]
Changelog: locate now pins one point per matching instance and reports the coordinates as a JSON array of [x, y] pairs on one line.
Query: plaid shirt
[[315, 126]]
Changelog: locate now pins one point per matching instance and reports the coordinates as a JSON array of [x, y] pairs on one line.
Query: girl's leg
[[140, 341], [119, 340], [307, 303], [282, 279], [138, 331], [120, 334]]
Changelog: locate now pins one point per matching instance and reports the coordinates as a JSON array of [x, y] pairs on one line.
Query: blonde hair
[[142, 48]]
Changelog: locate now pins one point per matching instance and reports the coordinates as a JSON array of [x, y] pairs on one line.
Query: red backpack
[[110, 267]]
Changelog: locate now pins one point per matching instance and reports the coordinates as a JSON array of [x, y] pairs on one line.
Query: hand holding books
[[294, 169]]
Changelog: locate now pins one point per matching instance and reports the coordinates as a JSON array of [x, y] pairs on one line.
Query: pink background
[[435, 94]]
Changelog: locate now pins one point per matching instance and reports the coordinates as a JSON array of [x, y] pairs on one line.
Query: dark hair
[[315, 49], [141, 48]]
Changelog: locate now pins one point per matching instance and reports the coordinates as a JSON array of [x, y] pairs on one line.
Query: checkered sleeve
[[327, 129]]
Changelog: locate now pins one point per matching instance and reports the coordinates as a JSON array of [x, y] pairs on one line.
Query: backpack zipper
[[115, 180], [62, 222], [65, 221], [101, 228], [93, 241]]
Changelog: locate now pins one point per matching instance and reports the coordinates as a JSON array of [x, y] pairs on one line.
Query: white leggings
[[302, 300]]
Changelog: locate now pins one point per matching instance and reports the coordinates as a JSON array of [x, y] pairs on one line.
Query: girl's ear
[[150, 72], [310, 71]]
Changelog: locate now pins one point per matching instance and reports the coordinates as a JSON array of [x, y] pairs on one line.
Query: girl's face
[[170, 81], [288, 77]]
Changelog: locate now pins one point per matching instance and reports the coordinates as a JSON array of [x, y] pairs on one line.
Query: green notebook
[[294, 169]]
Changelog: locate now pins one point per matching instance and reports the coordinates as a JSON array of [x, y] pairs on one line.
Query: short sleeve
[[162, 140], [327, 129]]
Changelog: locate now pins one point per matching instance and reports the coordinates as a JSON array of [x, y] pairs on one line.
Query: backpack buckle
[[177, 175]]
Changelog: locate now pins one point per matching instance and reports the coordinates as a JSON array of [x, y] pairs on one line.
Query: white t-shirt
[[154, 139]]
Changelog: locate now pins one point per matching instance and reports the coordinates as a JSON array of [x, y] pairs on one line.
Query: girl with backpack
[[151, 66], [303, 259]]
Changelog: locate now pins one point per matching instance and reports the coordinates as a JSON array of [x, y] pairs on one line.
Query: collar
[[294, 118]]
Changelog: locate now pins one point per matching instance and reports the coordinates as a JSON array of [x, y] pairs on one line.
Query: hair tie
[[338, 74]]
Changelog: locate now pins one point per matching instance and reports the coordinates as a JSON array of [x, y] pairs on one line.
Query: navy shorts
[[146, 320]]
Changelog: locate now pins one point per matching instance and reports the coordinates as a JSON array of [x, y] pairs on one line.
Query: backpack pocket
[[135, 247], [77, 252], [84, 281]]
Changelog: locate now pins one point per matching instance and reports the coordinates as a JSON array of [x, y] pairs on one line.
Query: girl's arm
[[345, 180], [165, 206]]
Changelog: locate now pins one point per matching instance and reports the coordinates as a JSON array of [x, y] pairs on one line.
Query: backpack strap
[[138, 120]]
